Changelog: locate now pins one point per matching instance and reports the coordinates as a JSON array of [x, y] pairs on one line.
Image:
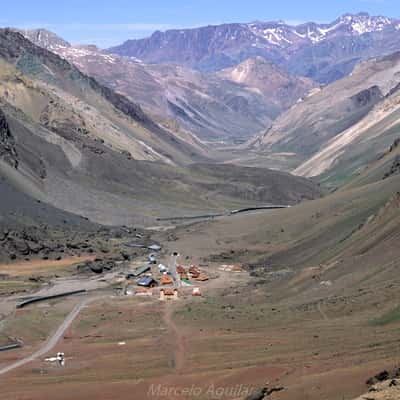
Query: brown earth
[[316, 312], [24, 268], [206, 342]]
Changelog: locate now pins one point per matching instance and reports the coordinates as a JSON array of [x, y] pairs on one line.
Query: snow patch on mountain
[[281, 35], [364, 23]]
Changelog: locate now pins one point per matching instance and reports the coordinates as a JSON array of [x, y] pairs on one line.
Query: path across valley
[[52, 341], [179, 345], [226, 214]]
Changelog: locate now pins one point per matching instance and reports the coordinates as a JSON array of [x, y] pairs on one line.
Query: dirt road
[[321, 311], [52, 341], [179, 339]]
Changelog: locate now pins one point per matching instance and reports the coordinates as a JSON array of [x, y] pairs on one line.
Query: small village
[[165, 281], [170, 280]]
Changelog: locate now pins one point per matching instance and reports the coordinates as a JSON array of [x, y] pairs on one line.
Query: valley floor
[[236, 338], [315, 312]]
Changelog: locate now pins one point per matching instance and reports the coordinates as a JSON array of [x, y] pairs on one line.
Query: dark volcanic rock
[[395, 145], [97, 266], [394, 169], [384, 376], [7, 143], [3, 235], [261, 394], [35, 247], [367, 97], [19, 247]]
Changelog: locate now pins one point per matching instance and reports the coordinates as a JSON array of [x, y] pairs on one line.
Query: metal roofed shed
[[154, 247], [147, 281], [138, 271]]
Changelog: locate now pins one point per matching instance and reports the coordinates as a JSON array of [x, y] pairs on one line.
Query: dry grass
[[41, 267]]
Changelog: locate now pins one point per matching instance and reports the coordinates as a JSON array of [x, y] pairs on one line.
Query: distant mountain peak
[[256, 66], [363, 22], [44, 38], [270, 80]]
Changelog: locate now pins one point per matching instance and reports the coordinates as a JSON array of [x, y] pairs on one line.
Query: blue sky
[[110, 22]]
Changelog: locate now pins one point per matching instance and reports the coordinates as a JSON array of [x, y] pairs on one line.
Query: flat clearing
[[24, 268]]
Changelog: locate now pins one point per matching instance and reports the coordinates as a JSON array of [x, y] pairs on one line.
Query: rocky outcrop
[[394, 168], [395, 145], [98, 266], [385, 385], [263, 393], [367, 97], [384, 376], [45, 242], [7, 143], [387, 390]]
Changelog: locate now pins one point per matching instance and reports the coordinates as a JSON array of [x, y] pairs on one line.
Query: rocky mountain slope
[[210, 106], [72, 143], [78, 99], [90, 179], [44, 38], [344, 109], [346, 154], [322, 52], [382, 167], [274, 83]]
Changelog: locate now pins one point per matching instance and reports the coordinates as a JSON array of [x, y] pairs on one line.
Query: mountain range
[[77, 145], [288, 119], [284, 116], [323, 52], [212, 106]]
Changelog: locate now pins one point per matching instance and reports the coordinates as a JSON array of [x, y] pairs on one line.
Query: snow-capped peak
[[364, 23], [280, 34]]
